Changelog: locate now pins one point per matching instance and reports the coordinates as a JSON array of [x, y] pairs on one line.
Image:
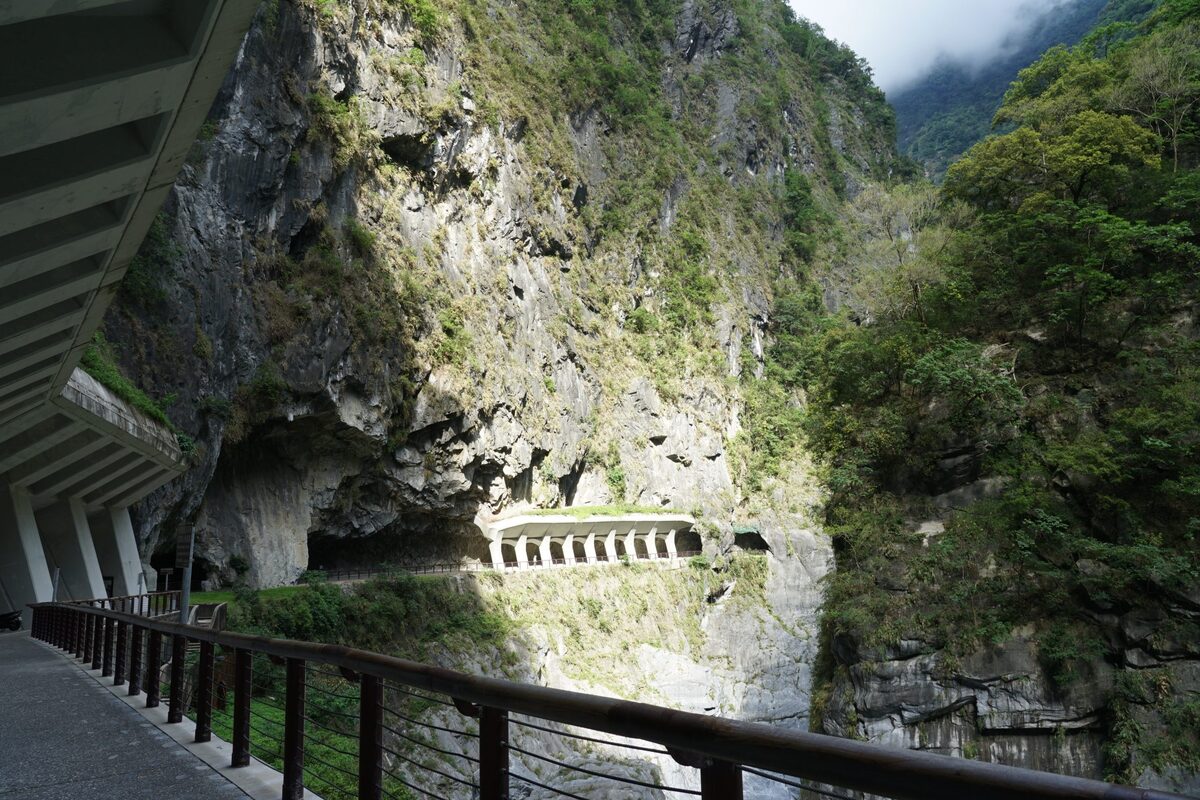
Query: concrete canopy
[[100, 102], [99, 105], [539, 526]]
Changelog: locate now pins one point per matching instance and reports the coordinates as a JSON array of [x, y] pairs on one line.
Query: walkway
[[63, 735]]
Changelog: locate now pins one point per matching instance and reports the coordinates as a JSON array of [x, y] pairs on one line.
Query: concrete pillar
[[569, 549], [522, 556], [67, 540], [631, 544], [651, 545], [544, 552], [672, 553], [589, 547], [116, 549], [610, 545], [24, 573], [496, 548]]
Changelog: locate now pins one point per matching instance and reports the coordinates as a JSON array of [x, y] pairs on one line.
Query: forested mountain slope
[[951, 108], [1013, 433]]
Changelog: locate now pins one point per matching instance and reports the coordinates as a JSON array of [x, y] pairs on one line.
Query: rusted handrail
[[718, 747]]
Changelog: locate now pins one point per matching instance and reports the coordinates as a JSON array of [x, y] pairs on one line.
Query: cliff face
[[394, 291], [408, 280]]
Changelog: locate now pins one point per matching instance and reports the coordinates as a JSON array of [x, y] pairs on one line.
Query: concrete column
[[589, 547], [116, 549], [569, 549], [651, 545], [497, 551], [672, 553], [24, 573], [68, 543], [610, 545], [544, 552], [522, 557], [631, 544]]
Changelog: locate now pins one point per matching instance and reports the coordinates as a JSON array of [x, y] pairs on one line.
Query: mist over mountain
[[949, 108]]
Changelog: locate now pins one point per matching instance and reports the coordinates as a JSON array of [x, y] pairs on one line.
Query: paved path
[[63, 735]]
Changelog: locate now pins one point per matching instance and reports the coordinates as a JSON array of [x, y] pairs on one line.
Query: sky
[[902, 38]]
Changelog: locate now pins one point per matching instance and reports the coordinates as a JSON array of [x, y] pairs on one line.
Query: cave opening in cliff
[[688, 542]]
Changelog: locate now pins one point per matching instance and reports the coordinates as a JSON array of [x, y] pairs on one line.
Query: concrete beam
[[24, 574], [610, 545], [67, 540], [38, 352], [140, 472], [496, 550], [135, 493], [116, 549], [78, 447], [90, 232], [41, 437], [651, 542], [73, 480]]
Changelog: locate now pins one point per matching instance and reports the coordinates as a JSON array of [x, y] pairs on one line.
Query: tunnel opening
[[688, 542]]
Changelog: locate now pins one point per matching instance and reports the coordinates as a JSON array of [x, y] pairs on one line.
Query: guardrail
[[365, 725], [364, 573], [152, 604]]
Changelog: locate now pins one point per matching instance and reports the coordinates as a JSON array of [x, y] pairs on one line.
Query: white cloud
[[902, 38]]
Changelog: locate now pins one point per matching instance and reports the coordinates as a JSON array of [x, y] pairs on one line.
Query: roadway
[[64, 735]]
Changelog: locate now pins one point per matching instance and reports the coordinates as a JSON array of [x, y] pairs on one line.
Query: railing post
[[293, 732], [135, 661], [119, 670], [721, 780], [242, 688], [80, 631], [153, 667], [97, 642], [178, 654], [370, 738], [493, 754], [204, 675], [106, 662], [57, 637]]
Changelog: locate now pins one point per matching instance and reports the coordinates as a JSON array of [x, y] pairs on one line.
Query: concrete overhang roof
[[558, 526], [100, 103], [90, 444]]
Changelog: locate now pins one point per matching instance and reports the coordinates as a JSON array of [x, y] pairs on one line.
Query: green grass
[[618, 510], [230, 596]]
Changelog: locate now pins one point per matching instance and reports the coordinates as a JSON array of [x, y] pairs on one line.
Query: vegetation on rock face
[[1036, 331]]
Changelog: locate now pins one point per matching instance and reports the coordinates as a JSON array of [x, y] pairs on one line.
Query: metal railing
[[152, 604], [364, 573], [351, 723]]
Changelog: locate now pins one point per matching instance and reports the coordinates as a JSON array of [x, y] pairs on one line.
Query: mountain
[[433, 263], [943, 113]]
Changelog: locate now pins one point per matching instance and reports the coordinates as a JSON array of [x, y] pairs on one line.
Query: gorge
[[434, 265]]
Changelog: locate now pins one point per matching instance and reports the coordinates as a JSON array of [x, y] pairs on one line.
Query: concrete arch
[[509, 551]]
